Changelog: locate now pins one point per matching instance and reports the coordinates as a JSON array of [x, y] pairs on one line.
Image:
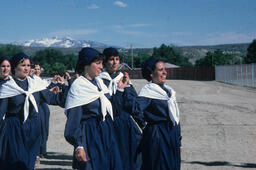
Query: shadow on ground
[[222, 163], [56, 159]]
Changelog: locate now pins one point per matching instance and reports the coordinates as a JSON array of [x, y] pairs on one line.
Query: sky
[[140, 23]]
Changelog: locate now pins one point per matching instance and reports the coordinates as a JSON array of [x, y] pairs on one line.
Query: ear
[[151, 75]]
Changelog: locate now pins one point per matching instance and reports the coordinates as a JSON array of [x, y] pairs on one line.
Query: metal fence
[[242, 75]]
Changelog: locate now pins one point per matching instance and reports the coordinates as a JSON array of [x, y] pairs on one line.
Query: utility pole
[[132, 55]]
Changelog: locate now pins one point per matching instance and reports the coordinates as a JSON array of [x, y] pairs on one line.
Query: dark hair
[[16, 59], [109, 52], [86, 56], [148, 67], [2, 59]]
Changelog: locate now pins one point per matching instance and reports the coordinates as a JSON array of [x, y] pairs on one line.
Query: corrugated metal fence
[[242, 75], [182, 73]]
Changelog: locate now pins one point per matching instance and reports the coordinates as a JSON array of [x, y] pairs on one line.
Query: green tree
[[138, 59], [171, 55], [10, 50], [251, 53], [54, 61], [217, 57]]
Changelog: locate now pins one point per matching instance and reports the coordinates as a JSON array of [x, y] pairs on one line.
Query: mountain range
[[69, 45], [65, 42]]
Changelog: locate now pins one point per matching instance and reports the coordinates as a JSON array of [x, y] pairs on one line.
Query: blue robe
[[161, 141], [45, 118], [44, 111], [128, 134], [21, 140], [85, 127]]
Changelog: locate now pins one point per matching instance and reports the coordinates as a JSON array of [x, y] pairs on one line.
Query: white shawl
[[113, 84], [154, 91], [10, 89], [82, 92], [42, 81]]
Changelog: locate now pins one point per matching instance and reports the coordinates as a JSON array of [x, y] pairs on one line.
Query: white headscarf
[[154, 91], [113, 84], [10, 89], [82, 92]]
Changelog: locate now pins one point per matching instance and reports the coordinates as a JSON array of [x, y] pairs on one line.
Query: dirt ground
[[218, 124]]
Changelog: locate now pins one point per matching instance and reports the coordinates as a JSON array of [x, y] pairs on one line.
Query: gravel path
[[218, 124]]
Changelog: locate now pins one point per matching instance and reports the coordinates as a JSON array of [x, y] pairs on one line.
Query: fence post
[[242, 81], [253, 85], [237, 79], [246, 77]]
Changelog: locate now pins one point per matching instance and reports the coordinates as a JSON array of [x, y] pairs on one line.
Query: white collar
[[82, 92], [10, 89], [154, 91]]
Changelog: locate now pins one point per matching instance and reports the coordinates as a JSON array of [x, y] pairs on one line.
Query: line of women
[[20, 98], [108, 123], [105, 116]]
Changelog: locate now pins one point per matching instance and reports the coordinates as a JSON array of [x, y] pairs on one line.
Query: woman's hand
[[124, 81], [126, 78], [66, 76], [54, 80], [55, 89], [80, 155]]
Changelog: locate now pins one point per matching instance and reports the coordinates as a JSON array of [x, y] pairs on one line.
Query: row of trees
[[166, 53], [51, 60], [54, 61], [219, 57]]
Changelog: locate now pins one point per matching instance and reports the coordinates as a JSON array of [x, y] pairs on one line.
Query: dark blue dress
[[22, 140], [45, 118], [85, 127], [161, 141], [127, 132]]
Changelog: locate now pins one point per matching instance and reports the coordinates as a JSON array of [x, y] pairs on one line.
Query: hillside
[[192, 52], [196, 52]]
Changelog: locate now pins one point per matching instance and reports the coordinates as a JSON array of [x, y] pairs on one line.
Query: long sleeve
[[3, 108], [179, 135], [135, 105], [73, 133], [54, 99]]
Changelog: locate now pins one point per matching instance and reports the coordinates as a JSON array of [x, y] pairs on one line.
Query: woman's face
[[112, 64], [37, 70], [93, 70], [22, 70], [5, 69], [159, 74]]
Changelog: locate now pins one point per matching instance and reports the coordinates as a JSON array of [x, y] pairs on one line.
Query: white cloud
[[73, 32], [138, 25], [130, 26], [181, 33], [93, 6], [123, 30], [120, 4]]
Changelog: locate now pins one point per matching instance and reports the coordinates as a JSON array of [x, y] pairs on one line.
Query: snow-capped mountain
[[66, 42]]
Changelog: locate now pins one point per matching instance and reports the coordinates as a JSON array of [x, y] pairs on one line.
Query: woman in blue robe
[[128, 133], [161, 141], [89, 126], [5, 68], [20, 97], [44, 115]]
